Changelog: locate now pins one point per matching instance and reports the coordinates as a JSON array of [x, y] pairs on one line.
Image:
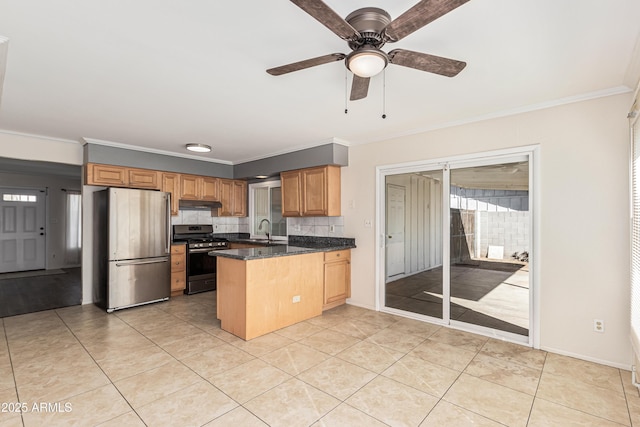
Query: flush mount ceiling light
[[367, 61], [198, 148]]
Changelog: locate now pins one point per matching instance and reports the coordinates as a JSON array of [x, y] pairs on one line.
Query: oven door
[[201, 271]]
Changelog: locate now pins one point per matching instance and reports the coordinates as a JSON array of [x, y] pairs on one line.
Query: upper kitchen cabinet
[[311, 192], [120, 176], [106, 175], [143, 178], [233, 196], [193, 187], [171, 184]]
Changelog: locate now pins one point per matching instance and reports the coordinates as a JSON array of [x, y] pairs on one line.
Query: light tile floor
[[170, 364]]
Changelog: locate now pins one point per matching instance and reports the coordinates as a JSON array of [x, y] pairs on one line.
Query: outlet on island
[[295, 299]]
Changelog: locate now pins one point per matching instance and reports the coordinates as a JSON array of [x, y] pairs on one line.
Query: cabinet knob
[[338, 255]]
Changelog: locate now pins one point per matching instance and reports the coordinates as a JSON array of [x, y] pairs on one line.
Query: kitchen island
[[262, 289]]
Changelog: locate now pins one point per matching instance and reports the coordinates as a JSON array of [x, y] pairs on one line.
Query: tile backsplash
[[309, 226], [220, 224], [332, 226]]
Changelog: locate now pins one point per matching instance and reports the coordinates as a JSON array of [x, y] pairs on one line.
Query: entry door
[[22, 233], [395, 230]]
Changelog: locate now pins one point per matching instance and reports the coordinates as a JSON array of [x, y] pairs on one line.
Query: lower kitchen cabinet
[[337, 278], [178, 269]]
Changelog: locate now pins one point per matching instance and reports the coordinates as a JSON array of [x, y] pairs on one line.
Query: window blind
[[635, 231]]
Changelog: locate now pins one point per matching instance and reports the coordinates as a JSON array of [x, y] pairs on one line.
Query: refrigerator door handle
[[140, 262], [168, 229]]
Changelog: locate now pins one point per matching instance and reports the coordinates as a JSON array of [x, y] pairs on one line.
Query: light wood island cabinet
[[178, 269], [311, 192], [258, 296]]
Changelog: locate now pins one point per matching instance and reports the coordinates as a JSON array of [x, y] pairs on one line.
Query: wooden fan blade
[[418, 16], [425, 62], [359, 87], [307, 63], [328, 17]]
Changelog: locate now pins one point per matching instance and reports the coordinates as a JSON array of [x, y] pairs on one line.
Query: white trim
[[529, 152], [503, 113], [152, 150], [625, 366]]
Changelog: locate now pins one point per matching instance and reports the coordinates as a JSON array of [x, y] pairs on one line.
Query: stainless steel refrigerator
[[132, 247]]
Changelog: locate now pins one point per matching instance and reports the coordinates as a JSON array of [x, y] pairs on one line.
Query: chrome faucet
[[268, 228]]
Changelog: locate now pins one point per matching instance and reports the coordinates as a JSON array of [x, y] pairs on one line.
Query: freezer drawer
[[140, 281]]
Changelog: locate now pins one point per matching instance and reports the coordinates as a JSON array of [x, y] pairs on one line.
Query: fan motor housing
[[370, 22]]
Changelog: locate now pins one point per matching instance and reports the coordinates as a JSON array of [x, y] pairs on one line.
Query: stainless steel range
[[201, 268]]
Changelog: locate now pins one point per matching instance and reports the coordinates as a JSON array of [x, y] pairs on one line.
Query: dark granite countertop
[[246, 254], [297, 245]]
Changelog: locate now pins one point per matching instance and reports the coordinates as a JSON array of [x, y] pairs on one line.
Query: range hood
[[198, 205]]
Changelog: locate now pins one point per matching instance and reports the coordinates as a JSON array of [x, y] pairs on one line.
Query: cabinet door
[[239, 198], [337, 284], [143, 178], [189, 187], [290, 183], [314, 192], [171, 184], [226, 198], [107, 175], [209, 188], [178, 269]]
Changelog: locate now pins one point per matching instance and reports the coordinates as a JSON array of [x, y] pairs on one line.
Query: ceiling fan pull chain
[[384, 94], [346, 74]]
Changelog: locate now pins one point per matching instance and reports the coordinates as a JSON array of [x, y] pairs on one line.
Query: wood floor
[[31, 294]]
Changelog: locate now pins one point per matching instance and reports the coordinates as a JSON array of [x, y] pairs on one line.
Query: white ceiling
[[158, 74]]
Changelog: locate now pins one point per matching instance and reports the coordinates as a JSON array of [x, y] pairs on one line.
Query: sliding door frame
[[474, 159]]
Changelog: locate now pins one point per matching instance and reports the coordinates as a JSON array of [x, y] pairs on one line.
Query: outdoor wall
[[507, 229], [584, 259]]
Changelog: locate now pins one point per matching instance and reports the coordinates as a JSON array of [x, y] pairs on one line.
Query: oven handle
[[201, 250]]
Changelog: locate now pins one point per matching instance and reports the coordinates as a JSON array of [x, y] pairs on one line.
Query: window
[[19, 198], [265, 211], [73, 228]]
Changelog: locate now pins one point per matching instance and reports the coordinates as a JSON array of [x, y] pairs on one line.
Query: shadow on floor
[[484, 293], [31, 294]]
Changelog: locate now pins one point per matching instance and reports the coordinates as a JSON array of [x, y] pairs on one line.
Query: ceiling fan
[[366, 30]]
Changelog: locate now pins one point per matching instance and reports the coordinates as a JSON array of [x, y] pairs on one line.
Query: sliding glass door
[[457, 243]]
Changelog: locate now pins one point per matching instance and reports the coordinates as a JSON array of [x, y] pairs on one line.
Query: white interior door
[[22, 233], [395, 230]]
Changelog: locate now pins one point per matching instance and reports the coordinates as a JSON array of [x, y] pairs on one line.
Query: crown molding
[[152, 150], [505, 113]]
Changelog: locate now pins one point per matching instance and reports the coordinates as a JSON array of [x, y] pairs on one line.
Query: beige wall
[[16, 146], [584, 224]]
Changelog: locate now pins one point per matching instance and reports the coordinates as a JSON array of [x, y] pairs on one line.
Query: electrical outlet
[[367, 223], [598, 325], [332, 229], [296, 298]]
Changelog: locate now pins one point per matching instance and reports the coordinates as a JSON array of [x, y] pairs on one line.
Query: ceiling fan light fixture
[[198, 148], [366, 62]]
